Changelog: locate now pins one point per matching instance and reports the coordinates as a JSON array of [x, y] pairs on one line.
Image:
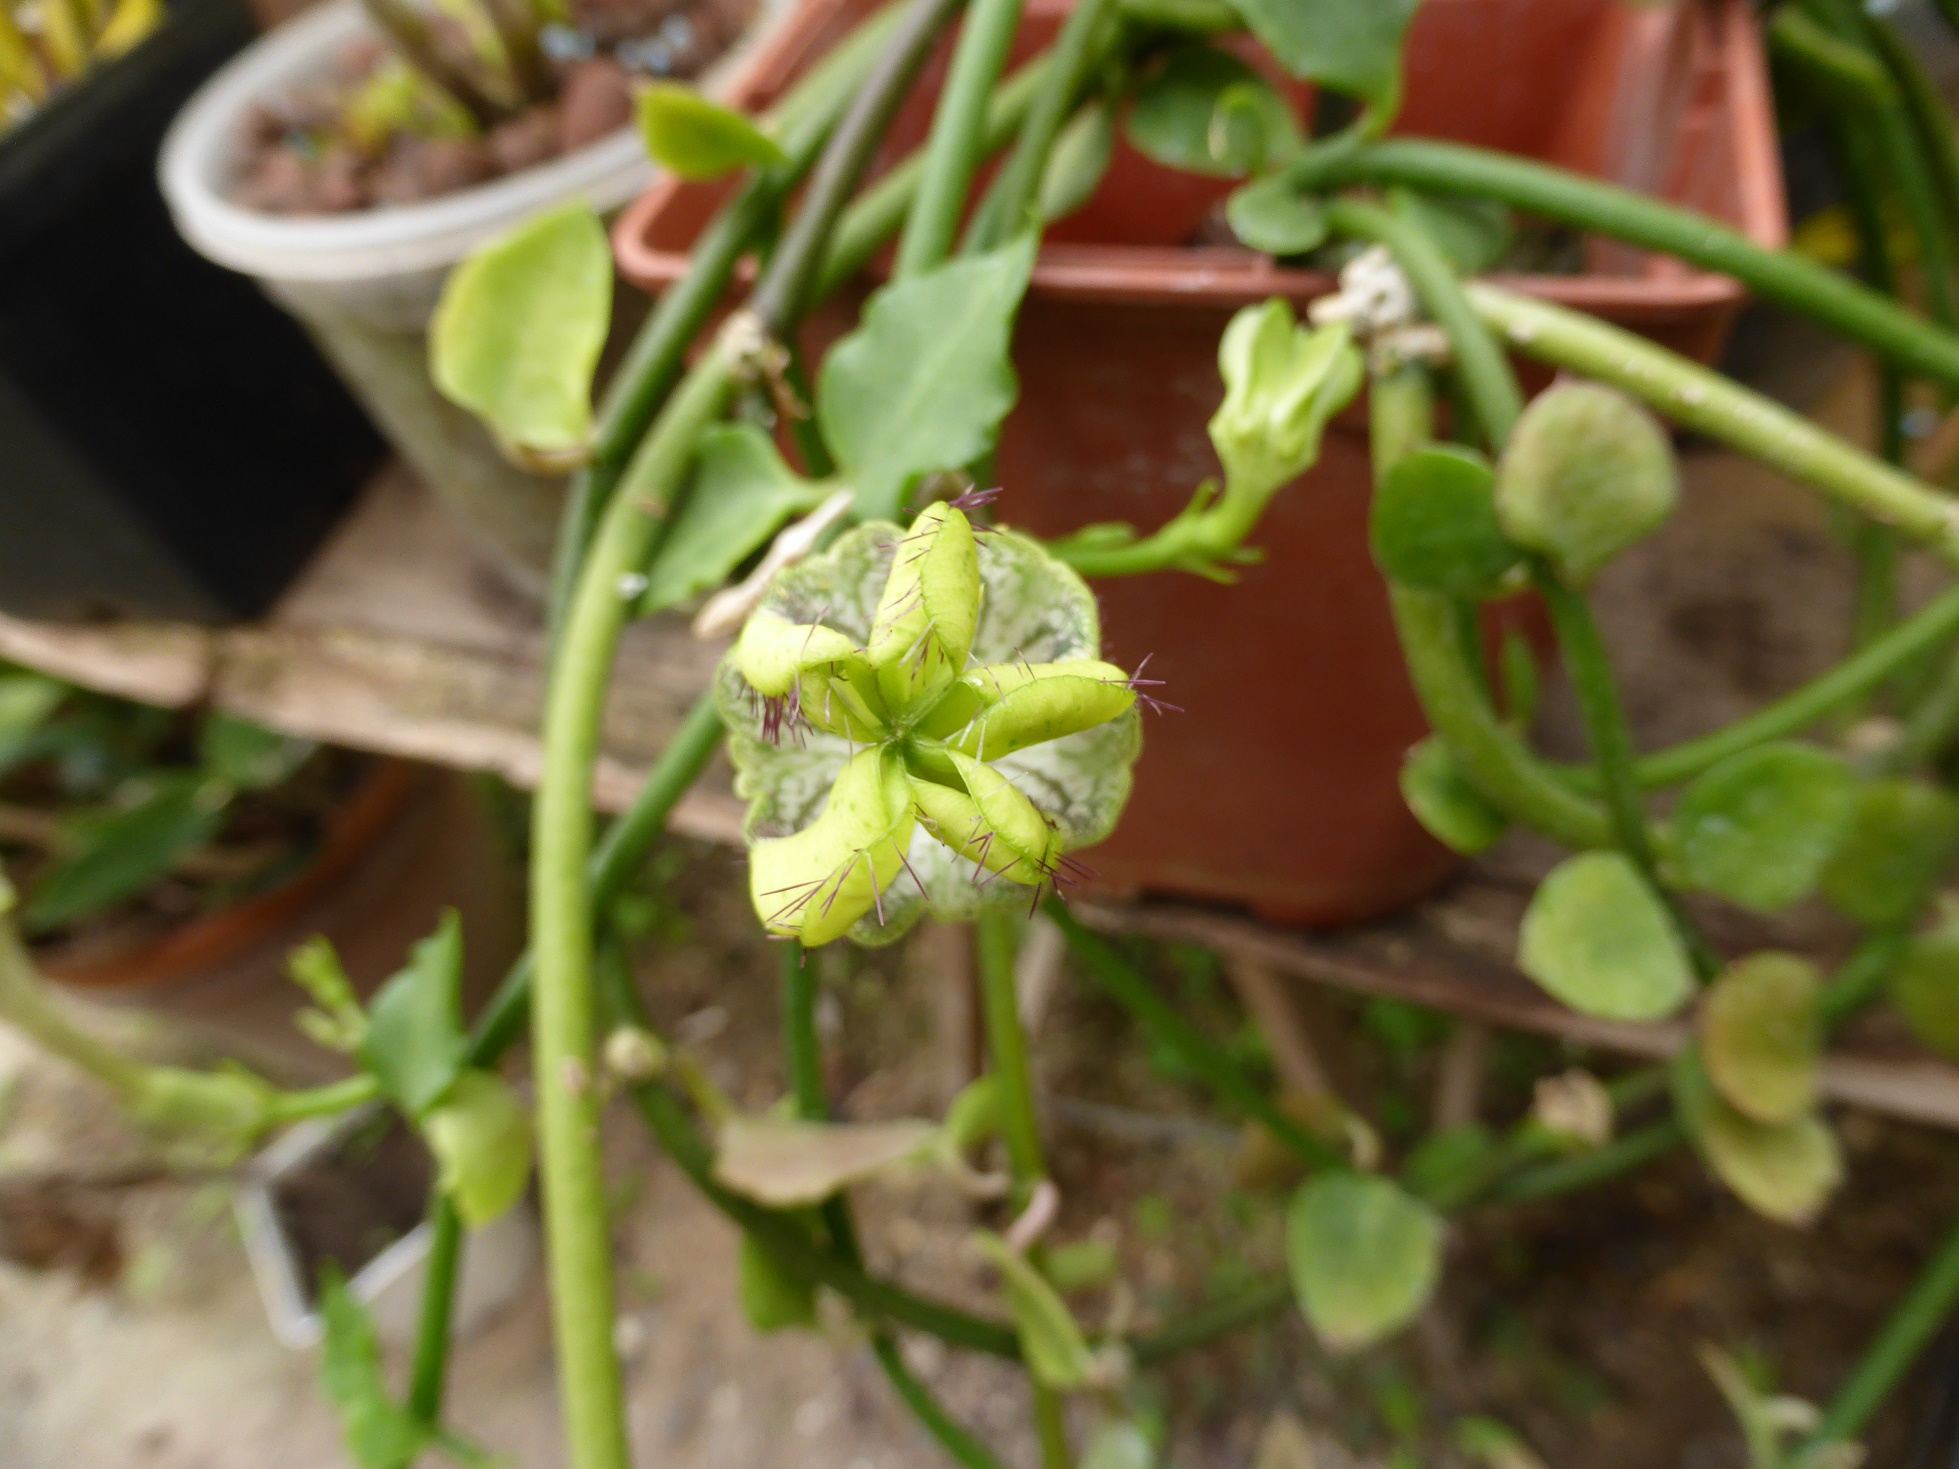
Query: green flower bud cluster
[[1283, 384], [920, 720]]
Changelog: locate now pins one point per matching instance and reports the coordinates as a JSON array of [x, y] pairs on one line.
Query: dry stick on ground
[[1263, 994], [944, 951], [1037, 973]]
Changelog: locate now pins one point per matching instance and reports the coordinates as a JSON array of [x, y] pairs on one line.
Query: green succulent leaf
[[481, 1137], [1900, 840], [772, 1297], [1204, 111], [926, 618], [1762, 1036], [1783, 1171], [1364, 1255], [786, 1162], [1587, 473], [1050, 1340], [1119, 1446], [1433, 524], [415, 1042], [1925, 989], [1271, 214], [1283, 384], [1352, 46], [925, 380], [1597, 938], [1758, 828], [517, 335], [699, 140], [1078, 163], [814, 885], [743, 492], [109, 857], [1448, 806]]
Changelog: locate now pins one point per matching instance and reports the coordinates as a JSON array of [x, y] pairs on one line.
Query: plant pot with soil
[[147, 397], [1284, 794], [348, 180]]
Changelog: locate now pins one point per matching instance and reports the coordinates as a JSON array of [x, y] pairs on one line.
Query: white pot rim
[[199, 156]]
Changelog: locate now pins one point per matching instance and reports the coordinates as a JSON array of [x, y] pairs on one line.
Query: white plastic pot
[[366, 283]]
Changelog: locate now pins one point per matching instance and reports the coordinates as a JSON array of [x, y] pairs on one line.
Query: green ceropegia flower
[[918, 720], [1283, 384]]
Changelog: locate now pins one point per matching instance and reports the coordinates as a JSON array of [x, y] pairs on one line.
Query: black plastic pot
[[171, 444]]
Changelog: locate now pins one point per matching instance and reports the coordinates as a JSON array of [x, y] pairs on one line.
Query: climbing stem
[[1781, 277], [958, 140], [429, 1373], [1567, 1175], [1709, 403]]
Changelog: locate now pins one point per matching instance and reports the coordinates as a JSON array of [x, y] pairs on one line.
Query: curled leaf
[[1283, 384], [1205, 111], [1448, 806], [786, 1162]]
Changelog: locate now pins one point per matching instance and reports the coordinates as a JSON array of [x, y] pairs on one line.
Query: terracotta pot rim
[[368, 813]]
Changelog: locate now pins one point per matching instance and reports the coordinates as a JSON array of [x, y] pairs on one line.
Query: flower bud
[[1283, 385], [1587, 473]]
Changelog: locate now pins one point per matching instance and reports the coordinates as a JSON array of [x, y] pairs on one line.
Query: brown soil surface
[[348, 1205]]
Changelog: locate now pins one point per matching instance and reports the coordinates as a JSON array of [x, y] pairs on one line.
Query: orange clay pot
[[1277, 787]]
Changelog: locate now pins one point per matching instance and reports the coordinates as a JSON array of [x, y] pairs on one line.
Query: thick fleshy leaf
[[415, 1042], [697, 139], [108, 857], [998, 711], [1758, 828], [1282, 385], [929, 610], [785, 1162], [1433, 524], [990, 823], [1273, 215], [1364, 1256], [1449, 808], [1587, 473], [1900, 841], [771, 1297], [1925, 989], [814, 885], [1352, 46], [1204, 111], [1078, 163], [1600, 940], [517, 335], [1762, 1036], [1050, 1340], [743, 492], [925, 380], [481, 1137], [1783, 1171]]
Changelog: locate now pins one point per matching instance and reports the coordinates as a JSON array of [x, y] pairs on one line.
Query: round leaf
[[1599, 939], [1205, 111], [1364, 1257], [1587, 473], [687, 134], [1449, 808], [1900, 840], [1925, 989], [481, 1138], [1758, 828], [517, 334], [1272, 215], [1762, 1036], [1352, 46], [1783, 1171], [1433, 525]]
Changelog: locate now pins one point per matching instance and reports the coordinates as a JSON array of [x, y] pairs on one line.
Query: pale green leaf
[[1273, 215], [787, 1162], [415, 1043], [1600, 940], [1007, 708], [1758, 828], [1364, 1256], [1762, 1036], [1050, 1339], [517, 335], [1119, 1446], [688, 135], [772, 1297], [925, 380], [481, 1137], [1783, 1171], [1899, 843], [1283, 383], [742, 494]]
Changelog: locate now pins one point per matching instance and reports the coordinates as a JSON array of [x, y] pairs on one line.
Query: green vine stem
[[1006, 1044], [563, 1018], [956, 146], [1911, 1327], [1785, 279], [429, 1373], [1699, 399], [1612, 1160], [26, 1005]]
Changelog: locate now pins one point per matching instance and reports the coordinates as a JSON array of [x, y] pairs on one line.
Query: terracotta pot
[[1277, 788], [408, 842]]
